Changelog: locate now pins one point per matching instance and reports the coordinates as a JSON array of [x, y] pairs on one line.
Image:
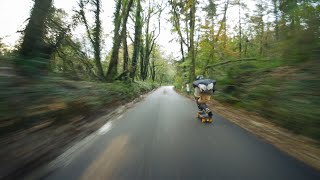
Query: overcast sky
[[14, 13]]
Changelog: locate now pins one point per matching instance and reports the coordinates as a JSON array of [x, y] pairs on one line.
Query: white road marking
[[105, 128]]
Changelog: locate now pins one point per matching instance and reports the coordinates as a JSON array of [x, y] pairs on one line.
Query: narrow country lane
[[160, 139]]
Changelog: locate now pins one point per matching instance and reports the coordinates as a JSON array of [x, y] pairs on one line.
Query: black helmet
[[199, 77]]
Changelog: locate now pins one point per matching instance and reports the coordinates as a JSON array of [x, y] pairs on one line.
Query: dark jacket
[[206, 82]]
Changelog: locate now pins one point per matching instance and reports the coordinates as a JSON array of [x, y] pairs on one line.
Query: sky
[[14, 15]]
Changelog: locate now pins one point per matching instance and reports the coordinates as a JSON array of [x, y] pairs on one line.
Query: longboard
[[204, 117]]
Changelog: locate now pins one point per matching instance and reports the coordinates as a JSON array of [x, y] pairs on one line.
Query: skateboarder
[[188, 89], [204, 88]]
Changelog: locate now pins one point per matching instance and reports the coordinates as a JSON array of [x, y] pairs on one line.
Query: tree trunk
[[275, 11], [153, 68], [142, 46], [225, 25], [94, 35], [150, 38], [261, 38], [187, 33], [240, 31], [146, 49], [97, 40], [223, 22], [204, 72], [182, 51], [125, 55], [144, 68], [177, 25], [246, 46], [192, 28], [137, 40], [211, 56], [113, 65], [33, 43]]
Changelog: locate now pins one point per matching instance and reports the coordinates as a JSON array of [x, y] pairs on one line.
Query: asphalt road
[[160, 138]]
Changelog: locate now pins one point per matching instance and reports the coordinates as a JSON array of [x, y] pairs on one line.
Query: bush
[[286, 95]]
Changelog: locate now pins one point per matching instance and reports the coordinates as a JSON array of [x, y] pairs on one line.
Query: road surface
[[160, 139]]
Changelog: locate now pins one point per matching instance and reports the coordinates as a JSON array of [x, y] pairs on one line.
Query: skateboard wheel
[[203, 120]]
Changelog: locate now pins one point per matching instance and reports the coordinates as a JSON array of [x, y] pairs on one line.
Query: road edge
[[300, 147], [45, 168]]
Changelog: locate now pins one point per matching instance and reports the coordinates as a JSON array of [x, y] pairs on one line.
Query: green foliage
[[282, 83], [287, 95], [32, 67], [3, 49], [137, 39], [33, 45]]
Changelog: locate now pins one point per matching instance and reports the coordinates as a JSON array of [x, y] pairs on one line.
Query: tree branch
[[232, 61], [84, 19]]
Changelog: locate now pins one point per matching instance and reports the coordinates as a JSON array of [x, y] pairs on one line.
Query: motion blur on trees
[[48, 43], [60, 74], [51, 53], [264, 55], [266, 61]]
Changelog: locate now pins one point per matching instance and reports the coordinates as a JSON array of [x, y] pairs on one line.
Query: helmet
[[199, 77]]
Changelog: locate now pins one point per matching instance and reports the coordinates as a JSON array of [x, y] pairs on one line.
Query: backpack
[[205, 85]]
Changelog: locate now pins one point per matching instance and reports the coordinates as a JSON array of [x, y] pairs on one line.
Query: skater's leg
[[198, 104], [203, 106], [197, 96], [206, 109], [204, 98]]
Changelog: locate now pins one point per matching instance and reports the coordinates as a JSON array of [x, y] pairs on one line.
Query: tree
[[188, 10], [260, 26], [276, 15], [3, 48], [118, 21], [125, 56], [192, 44], [207, 41], [94, 34], [33, 45], [149, 37], [224, 23], [257, 31], [72, 61], [153, 66], [137, 40], [240, 30], [177, 10], [57, 29]]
